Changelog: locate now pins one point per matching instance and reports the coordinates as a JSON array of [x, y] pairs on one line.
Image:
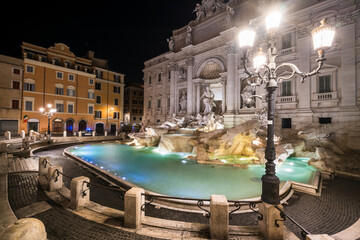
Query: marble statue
[[183, 103], [246, 94], [171, 43], [176, 122], [150, 132], [200, 11], [208, 100], [229, 14]]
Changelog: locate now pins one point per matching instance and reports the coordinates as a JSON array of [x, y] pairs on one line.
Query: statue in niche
[[200, 12], [188, 39], [183, 103], [208, 100], [175, 122], [182, 73], [171, 43], [246, 95]]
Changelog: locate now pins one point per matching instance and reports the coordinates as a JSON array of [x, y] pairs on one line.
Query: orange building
[[56, 76]]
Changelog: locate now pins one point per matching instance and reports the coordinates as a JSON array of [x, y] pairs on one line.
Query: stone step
[[23, 166]]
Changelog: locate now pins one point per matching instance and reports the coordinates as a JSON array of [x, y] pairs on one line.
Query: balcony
[[328, 99], [286, 102]]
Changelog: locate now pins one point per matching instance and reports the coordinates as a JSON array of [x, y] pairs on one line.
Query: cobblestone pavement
[[336, 209]]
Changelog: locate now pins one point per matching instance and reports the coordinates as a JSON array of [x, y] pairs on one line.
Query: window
[[149, 79], [116, 115], [98, 99], [71, 77], [15, 104], [140, 111], [117, 78], [91, 81], [286, 88], [59, 107], [134, 118], [70, 108], [149, 104], [159, 77], [16, 71], [134, 110], [140, 118], [91, 109], [29, 87], [97, 86], [99, 74], [56, 61], [97, 114], [59, 75], [134, 93], [169, 75], [91, 94], [116, 101], [159, 103], [15, 84], [28, 105], [286, 40], [325, 84], [29, 69], [71, 92], [168, 102], [134, 101], [59, 91], [326, 120], [116, 89], [286, 122]]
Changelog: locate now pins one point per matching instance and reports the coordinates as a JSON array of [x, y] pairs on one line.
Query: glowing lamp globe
[[323, 36], [273, 21], [42, 109], [246, 38], [259, 59]]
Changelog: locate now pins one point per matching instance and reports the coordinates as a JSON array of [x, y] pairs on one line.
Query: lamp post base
[[270, 189]]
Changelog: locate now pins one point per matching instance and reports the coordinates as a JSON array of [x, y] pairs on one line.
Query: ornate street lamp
[[49, 113], [266, 73]]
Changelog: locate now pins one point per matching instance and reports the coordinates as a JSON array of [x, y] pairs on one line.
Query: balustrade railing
[[303, 233]]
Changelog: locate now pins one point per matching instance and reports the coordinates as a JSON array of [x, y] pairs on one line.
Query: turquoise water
[[174, 175]]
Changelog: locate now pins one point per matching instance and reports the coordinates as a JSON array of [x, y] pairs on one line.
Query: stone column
[[198, 85], [219, 219], [223, 89], [173, 68], [347, 73], [190, 100], [134, 199], [231, 78], [176, 92]]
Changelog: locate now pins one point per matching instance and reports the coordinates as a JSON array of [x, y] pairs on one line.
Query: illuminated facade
[[205, 54], [56, 76], [134, 103], [11, 76]]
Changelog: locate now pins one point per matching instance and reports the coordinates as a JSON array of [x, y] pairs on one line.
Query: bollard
[[22, 134], [25, 144], [44, 164], [80, 133], [219, 218], [267, 225], [65, 134], [93, 133], [79, 192], [134, 199], [116, 133], [105, 133], [55, 178], [8, 135]]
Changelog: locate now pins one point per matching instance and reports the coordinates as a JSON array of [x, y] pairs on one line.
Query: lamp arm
[[320, 62], [262, 78], [294, 68], [243, 59]]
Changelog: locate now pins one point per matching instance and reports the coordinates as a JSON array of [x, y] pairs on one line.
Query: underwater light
[[123, 178], [223, 160], [183, 161]]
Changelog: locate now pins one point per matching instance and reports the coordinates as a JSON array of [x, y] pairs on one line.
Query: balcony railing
[[284, 99], [324, 96]]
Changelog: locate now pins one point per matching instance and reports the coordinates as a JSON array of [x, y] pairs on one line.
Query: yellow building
[[56, 76]]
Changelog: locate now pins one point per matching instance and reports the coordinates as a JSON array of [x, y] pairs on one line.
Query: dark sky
[[127, 33]]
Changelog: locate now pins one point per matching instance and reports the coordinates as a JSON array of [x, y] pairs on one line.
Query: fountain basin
[[173, 174]]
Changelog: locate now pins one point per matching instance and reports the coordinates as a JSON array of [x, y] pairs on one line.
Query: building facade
[[205, 54], [134, 103], [56, 76], [11, 76]]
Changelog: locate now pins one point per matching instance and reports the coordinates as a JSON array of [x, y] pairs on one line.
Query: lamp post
[[49, 113], [266, 74]]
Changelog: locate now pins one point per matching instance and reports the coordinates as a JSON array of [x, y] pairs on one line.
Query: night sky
[[127, 33]]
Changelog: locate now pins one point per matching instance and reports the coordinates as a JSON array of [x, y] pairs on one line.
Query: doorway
[[99, 128], [69, 127], [82, 125]]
